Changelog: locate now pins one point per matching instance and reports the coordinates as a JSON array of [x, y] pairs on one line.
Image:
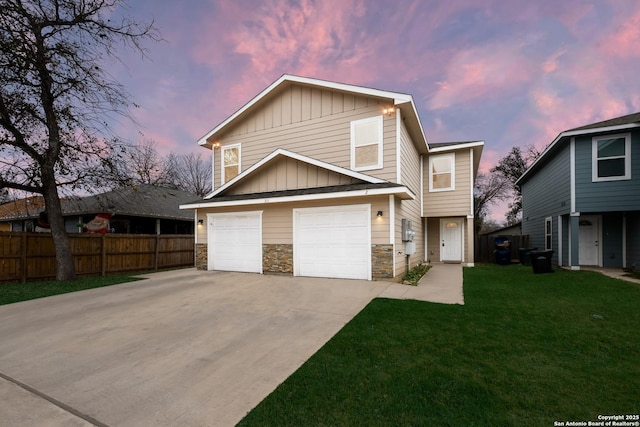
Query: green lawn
[[16, 292], [524, 350]]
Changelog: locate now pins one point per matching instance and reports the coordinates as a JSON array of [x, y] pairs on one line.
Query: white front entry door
[[589, 244], [451, 240], [235, 242], [332, 242]]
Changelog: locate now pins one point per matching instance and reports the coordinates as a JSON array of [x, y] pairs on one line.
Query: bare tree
[[54, 97], [488, 190], [191, 173], [142, 164], [510, 168]]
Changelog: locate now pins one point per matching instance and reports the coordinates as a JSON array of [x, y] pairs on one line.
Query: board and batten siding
[[455, 202], [285, 173], [312, 122], [606, 196], [409, 209], [547, 194], [277, 218]]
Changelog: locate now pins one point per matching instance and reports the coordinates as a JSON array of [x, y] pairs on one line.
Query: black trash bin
[[541, 261], [503, 254], [525, 255]]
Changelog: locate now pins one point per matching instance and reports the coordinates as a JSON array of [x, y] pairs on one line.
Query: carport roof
[[334, 191]]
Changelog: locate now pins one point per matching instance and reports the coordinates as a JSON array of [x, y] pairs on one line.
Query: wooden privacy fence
[[485, 247], [31, 256]]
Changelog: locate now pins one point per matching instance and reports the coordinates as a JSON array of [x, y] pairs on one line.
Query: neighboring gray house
[[509, 230], [581, 197], [139, 209]]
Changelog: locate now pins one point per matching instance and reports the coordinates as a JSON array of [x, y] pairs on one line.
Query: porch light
[[379, 214], [389, 111], [200, 221]]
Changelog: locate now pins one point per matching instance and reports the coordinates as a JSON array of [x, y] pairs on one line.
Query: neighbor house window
[[441, 172], [366, 144], [611, 157], [230, 162], [547, 233]]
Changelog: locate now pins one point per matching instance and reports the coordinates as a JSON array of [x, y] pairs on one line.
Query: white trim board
[[304, 197]]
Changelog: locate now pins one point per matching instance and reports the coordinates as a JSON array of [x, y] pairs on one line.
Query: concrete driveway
[[186, 347]]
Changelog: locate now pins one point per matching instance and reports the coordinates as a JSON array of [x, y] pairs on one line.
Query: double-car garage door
[[327, 242]]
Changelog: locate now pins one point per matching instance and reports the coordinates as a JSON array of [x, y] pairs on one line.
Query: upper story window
[[366, 144], [442, 172], [230, 162], [611, 157]]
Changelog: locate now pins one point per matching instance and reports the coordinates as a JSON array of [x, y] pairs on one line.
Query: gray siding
[[565, 239], [612, 240], [609, 196], [633, 240], [547, 193]]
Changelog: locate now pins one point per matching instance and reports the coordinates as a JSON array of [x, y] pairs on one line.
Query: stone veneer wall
[[201, 256], [277, 258], [382, 261]]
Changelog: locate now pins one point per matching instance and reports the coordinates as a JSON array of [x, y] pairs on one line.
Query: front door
[[451, 240], [589, 246]]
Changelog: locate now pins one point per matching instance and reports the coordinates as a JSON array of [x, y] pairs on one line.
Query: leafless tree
[[489, 189], [55, 95], [142, 164], [190, 172], [510, 168]]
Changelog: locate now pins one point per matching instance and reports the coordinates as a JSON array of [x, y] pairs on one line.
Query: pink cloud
[[551, 64], [483, 72], [624, 40]]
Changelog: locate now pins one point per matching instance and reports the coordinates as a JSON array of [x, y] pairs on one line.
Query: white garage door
[[235, 242], [333, 242]]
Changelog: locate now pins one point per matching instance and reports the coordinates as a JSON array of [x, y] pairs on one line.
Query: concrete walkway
[[185, 347], [616, 273], [442, 284]]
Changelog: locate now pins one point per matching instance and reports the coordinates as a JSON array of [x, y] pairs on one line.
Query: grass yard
[[524, 350], [16, 292]]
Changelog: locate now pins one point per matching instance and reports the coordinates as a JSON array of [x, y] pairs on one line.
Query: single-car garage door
[[332, 242], [235, 242]]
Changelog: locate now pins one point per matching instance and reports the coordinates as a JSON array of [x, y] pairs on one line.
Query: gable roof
[[477, 146], [282, 152], [306, 194], [141, 200], [399, 99], [628, 121]]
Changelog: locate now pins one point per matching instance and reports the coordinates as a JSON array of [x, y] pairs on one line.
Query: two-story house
[[324, 179], [581, 197]]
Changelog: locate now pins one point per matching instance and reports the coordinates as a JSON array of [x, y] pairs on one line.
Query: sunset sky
[[509, 72]]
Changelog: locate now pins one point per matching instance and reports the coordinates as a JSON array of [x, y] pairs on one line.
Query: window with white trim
[[366, 144], [230, 159], [442, 172], [611, 157], [548, 230]]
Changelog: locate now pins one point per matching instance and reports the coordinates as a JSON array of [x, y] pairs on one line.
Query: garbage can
[[541, 261], [503, 254], [525, 255]]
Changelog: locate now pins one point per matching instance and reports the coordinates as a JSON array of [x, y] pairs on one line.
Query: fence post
[[103, 255], [157, 252], [23, 257]]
